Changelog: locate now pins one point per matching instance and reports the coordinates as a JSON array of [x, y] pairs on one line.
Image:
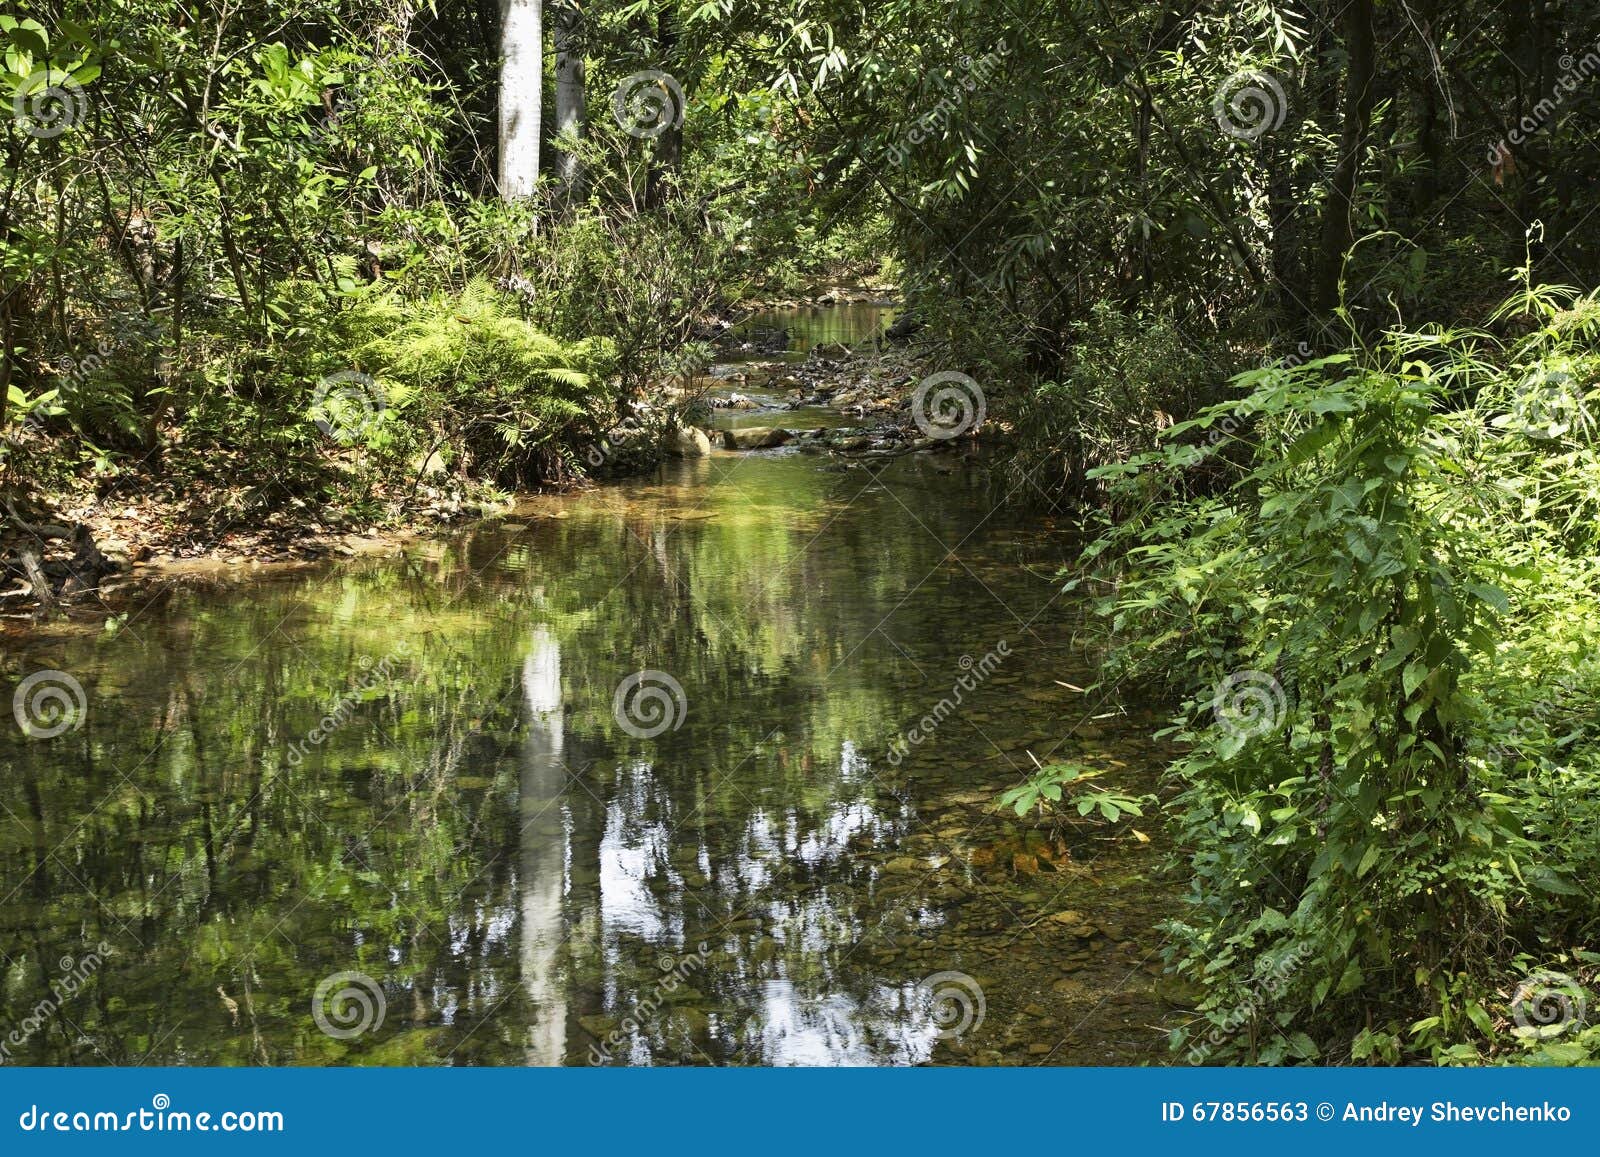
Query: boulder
[[688, 442], [903, 327], [755, 438]]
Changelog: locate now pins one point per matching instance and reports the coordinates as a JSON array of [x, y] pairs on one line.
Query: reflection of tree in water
[[543, 845], [437, 840]]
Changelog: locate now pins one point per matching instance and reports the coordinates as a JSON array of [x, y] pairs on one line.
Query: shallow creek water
[[611, 780]]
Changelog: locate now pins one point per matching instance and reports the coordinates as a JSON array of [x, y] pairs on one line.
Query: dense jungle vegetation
[[1292, 305]]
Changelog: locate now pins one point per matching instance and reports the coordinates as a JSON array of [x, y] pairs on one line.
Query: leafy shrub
[[1130, 375], [1352, 623], [505, 400]]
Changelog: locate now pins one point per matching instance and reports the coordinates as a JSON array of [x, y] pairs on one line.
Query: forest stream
[[619, 778]]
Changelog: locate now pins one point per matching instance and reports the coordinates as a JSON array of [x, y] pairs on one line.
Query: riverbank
[[847, 396]]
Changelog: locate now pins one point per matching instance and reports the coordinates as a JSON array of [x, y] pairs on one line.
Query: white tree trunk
[[570, 96], [521, 95]]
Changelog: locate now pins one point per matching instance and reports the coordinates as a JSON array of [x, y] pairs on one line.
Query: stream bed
[[626, 777]]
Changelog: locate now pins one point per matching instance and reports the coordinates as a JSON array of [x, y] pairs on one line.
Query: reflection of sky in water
[[630, 852], [830, 1029]]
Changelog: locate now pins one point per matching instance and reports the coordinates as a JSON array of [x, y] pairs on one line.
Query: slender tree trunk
[[6, 347], [1338, 226], [521, 95], [571, 98], [669, 145]]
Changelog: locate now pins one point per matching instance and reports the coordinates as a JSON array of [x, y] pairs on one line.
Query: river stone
[[688, 442], [691, 1021], [599, 1025], [684, 995], [1075, 924], [1178, 992], [755, 437]]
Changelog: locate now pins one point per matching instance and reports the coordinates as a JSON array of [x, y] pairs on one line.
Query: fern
[[499, 387]]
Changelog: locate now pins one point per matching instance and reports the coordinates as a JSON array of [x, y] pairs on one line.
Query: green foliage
[[1352, 622], [493, 388], [1128, 376], [236, 206], [644, 282], [1060, 783]]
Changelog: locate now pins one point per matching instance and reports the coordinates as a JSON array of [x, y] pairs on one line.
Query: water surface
[[411, 779]]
